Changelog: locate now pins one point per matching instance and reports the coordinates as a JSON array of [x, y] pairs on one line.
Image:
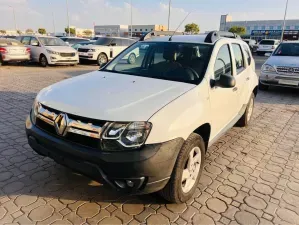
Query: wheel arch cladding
[[255, 90], [204, 131]]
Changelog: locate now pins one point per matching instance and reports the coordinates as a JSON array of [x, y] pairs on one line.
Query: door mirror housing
[[35, 44], [225, 81]]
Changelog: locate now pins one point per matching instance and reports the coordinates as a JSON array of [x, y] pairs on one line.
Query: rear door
[[242, 76]]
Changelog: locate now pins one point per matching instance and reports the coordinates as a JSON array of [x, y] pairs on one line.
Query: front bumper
[[88, 56], [58, 60], [16, 58], [282, 80], [148, 169]]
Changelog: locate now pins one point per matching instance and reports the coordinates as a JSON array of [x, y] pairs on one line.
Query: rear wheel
[[263, 87], [187, 171], [43, 61], [245, 119], [102, 59]]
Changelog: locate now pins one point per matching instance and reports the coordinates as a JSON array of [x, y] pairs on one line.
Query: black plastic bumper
[[148, 169]]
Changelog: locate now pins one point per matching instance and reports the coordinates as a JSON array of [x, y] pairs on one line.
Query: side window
[[117, 42], [19, 38], [33, 41], [239, 60], [223, 64], [26, 40], [247, 54]]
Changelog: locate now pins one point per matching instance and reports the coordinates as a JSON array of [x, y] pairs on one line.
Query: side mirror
[[35, 44], [225, 81]]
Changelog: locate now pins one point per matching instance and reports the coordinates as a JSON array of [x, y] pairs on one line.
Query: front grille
[[67, 54], [287, 70], [80, 130], [83, 50]]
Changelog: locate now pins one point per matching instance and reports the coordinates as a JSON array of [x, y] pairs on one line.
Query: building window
[[135, 29], [263, 27], [296, 27], [140, 29], [256, 27], [145, 29], [278, 27], [288, 27], [271, 28], [129, 29]]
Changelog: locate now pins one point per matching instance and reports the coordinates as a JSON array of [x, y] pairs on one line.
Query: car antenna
[[170, 39]]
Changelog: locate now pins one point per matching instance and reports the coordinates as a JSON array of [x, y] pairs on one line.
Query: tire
[[43, 61], [176, 190], [102, 59], [132, 58], [263, 87], [245, 119]]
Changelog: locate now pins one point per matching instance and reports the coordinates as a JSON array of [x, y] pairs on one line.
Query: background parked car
[[50, 50], [13, 50], [282, 68], [105, 49], [252, 44], [73, 40], [80, 44], [267, 46]]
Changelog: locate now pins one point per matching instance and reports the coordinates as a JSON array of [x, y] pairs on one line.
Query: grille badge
[[61, 123]]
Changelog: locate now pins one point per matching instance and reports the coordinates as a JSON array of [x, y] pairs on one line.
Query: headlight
[[267, 68], [91, 50], [52, 52], [125, 136], [34, 111]]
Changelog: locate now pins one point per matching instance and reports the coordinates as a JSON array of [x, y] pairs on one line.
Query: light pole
[[14, 16], [68, 17], [169, 14], [131, 19], [53, 23], [284, 20]]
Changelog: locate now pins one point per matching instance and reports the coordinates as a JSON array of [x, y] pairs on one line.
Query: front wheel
[[43, 61], [245, 119], [132, 58], [102, 59], [186, 172]]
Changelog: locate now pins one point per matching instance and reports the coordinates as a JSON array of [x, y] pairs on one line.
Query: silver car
[[282, 68], [13, 50]]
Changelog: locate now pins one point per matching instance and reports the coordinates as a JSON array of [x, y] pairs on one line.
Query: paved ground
[[251, 175]]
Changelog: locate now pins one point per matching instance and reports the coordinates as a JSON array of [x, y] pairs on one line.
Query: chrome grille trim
[[287, 70], [73, 126]]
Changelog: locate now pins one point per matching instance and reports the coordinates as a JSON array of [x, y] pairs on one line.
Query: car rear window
[[10, 42], [267, 42]]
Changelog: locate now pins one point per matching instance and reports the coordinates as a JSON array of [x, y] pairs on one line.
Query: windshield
[[267, 42], [52, 41], [182, 62], [103, 41], [287, 49]]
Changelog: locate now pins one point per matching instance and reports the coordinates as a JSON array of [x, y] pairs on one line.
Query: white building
[[260, 28]]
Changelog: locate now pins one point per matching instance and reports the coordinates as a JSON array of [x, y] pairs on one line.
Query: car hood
[[111, 96], [64, 49], [290, 61]]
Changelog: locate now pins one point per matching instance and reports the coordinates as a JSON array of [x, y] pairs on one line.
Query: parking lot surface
[[251, 175]]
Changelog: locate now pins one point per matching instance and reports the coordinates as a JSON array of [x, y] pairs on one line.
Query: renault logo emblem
[[61, 123]]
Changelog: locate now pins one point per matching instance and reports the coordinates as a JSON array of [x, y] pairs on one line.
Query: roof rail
[[159, 33], [215, 35]]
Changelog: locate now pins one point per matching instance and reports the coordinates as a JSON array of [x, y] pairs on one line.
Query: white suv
[[49, 50], [267, 46], [145, 127], [106, 48]]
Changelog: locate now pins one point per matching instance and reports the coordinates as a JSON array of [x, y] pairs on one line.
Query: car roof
[[200, 39], [75, 38], [290, 42]]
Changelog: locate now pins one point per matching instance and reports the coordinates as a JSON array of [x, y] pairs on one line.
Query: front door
[[223, 100], [35, 49]]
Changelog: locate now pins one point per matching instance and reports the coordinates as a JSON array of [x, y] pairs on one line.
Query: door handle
[[235, 89], [248, 78]]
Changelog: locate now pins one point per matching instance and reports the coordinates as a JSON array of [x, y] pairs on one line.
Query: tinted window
[[103, 41], [181, 62], [26, 40], [223, 64], [287, 49], [49, 41], [239, 60], [247, 54], [267, 42], [33, 40], [117, 41], [19, 38]]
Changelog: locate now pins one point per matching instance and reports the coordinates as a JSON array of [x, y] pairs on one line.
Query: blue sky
[[84, 13]]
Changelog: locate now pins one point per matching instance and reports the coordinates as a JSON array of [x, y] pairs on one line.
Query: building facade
[[125, 30], [260, 29]]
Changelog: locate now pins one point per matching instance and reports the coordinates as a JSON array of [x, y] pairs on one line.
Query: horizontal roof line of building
[[240, 21]]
